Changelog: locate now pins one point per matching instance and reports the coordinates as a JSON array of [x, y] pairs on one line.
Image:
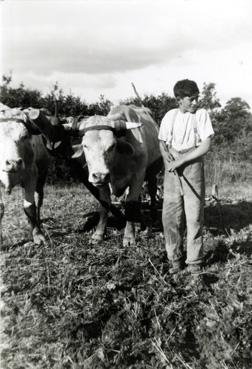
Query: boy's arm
[[195, 154], [198, 152], [167, 157]]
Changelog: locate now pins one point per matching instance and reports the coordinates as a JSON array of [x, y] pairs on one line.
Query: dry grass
[[227, 173], [69, 304]]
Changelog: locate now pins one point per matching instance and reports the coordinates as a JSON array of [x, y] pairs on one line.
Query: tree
[[7, 79], [18, 97], [159, 105], [233, 121], [101, 108], [237, 107], [209, 100], [73, 106]]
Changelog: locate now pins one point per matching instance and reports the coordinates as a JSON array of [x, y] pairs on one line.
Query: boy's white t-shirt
[[177, 128]]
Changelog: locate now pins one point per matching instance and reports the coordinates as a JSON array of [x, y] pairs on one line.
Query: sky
[[99, 47]]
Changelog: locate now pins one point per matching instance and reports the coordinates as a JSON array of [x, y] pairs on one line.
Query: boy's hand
[[173, 165]]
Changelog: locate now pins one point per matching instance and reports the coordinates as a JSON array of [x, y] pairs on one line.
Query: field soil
[[71, 304]]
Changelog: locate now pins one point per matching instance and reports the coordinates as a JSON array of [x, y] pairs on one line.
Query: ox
[[61, 143], [23, 161], [121, 151]]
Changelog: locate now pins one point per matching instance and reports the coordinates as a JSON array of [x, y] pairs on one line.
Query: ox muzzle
[[99, 179]]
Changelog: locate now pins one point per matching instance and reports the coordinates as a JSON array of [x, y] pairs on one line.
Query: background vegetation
[[231, 153]]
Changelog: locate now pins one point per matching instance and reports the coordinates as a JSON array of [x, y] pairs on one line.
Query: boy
[[185, 136]]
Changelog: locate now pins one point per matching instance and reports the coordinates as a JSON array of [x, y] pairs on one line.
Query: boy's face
[[188, 103]]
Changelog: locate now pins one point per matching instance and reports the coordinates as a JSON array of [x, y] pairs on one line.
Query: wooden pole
[[137, 94]]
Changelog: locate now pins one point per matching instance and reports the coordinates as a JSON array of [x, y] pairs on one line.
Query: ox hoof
[[39, 239], [129, 241], [96, 238]]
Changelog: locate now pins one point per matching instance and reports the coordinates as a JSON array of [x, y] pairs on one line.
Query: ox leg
[[40, 195], [1, 217], [133, 213], [151, 177], [152, 189], [98, 235], [30, 210]]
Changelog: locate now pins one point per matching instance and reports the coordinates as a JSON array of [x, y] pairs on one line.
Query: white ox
[[60, 143], [122, 150], [23, 161]]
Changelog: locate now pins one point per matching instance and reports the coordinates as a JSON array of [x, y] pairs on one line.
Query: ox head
[[103, 143], [16, 152]]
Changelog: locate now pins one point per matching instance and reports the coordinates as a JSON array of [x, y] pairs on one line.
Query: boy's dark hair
[[185, 87]]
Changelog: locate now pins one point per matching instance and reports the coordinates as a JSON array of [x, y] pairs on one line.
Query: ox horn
[[122, 125], [132, 125]]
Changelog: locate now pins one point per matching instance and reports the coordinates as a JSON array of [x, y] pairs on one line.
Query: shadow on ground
[[219, 218], [222, 218], [220, 252]]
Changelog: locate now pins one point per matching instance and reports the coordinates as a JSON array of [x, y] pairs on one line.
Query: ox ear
[[33, 113], [77, 151], [124, 147]]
